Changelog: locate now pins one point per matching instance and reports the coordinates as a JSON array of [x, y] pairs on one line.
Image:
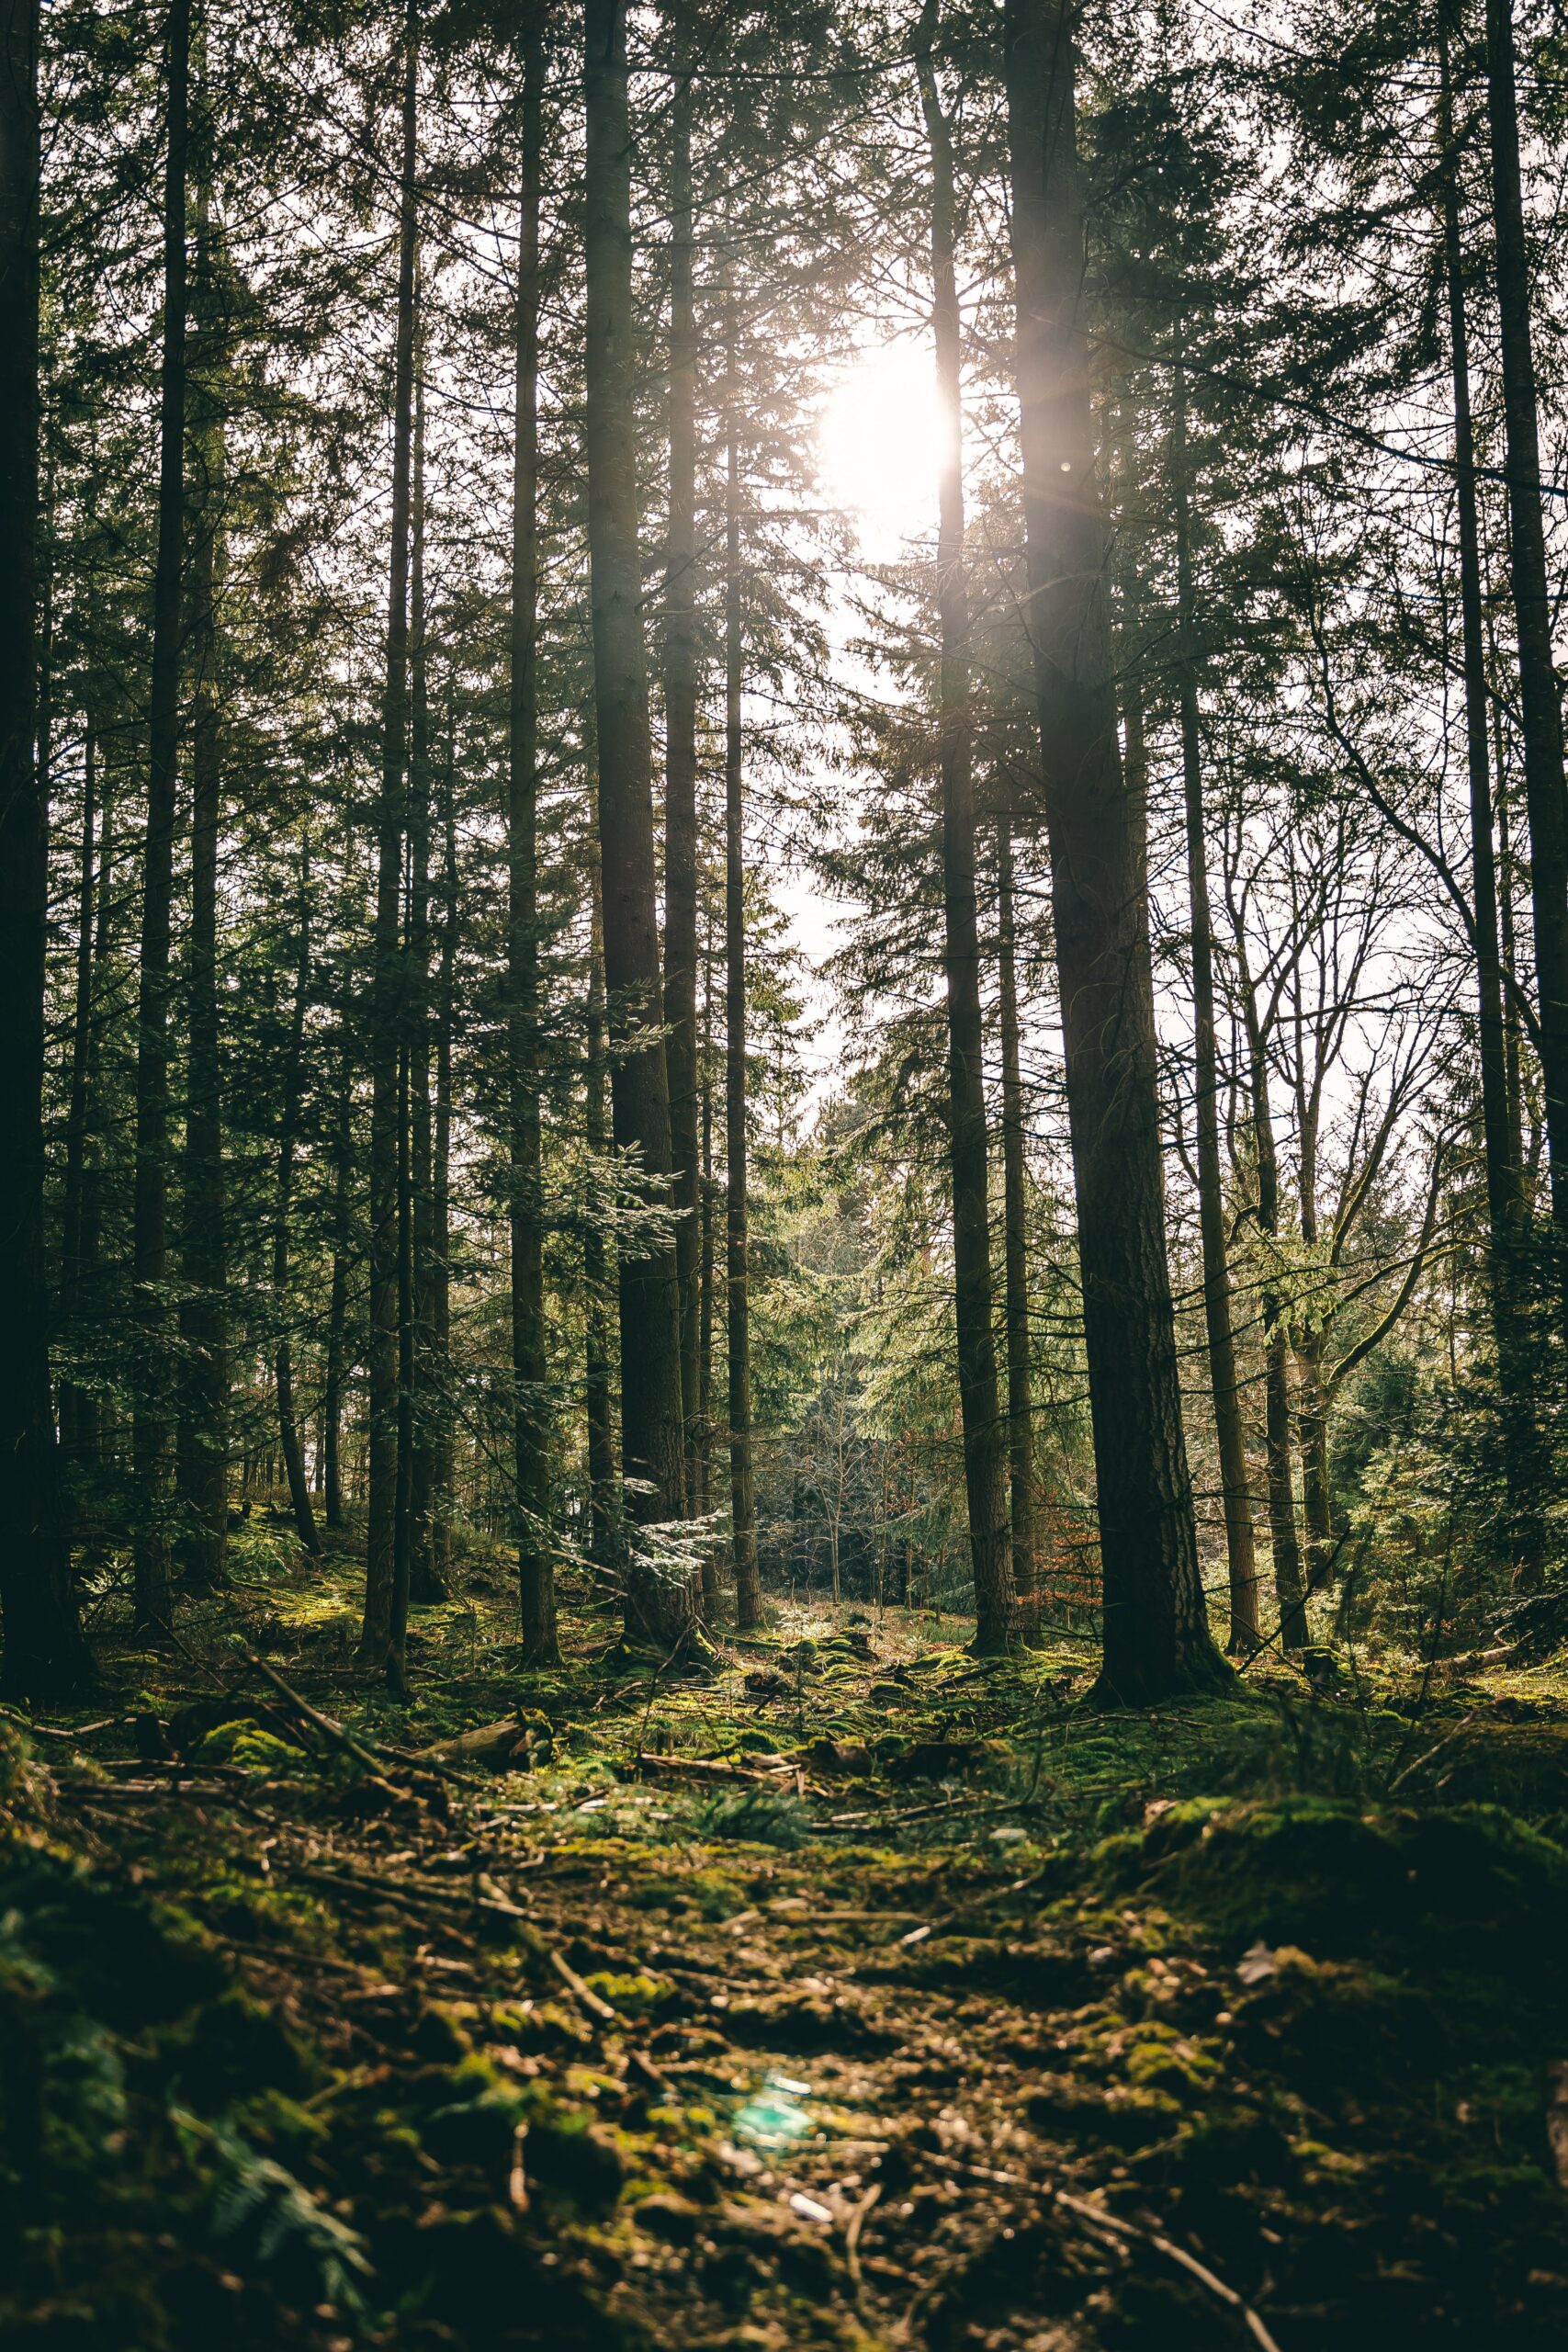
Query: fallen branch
[[65, 1731], [485, 1742], [330, 1730], [1173, 2253], [702, 1768], [1432, 1753], [1118, 2227], [408, 1892], [582, 1992], [851, 2244], [203, 1791]]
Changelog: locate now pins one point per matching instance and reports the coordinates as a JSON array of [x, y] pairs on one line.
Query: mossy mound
[[1321, 1872]]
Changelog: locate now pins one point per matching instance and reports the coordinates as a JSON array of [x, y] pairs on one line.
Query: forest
[[784, 1175]]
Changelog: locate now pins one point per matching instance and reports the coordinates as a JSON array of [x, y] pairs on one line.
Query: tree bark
[[438, 1304], [45, 1656], [985, 1432], [1290, 1591], [382, 1637], [701, 1496], [74, 1412], [1241, 1560], [337, 1310], [738, 1272], [530, 1371], [150, 1438], [603, 1475], [1156, 1634], [1541, 712], [681, 757], [1506, 1254], [288, 1129], [86, 1252], [1015, 1254], [426, 1582], [652, 1423], [202, 1447]]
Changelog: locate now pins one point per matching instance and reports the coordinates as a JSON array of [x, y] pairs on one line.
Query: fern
[[260, 2206]]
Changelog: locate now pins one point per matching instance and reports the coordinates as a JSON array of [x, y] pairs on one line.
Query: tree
[[681, 698], [1157, 1635], [984, 1429], [653, 1421], [44, 1654], [738, 1268], [202, 1452], [151, 1545], [525, 1198], [387, 1562], [1234, 1484], [1541, 708]]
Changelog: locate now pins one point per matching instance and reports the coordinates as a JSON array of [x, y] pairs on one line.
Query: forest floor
[[856, 1994]]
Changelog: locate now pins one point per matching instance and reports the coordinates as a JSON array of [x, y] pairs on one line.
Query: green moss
[[633, 1996], [1321, 1872], [249, 1748]]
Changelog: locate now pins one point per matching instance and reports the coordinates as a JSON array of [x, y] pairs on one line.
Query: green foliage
[[261, 2213], [758, 1816]]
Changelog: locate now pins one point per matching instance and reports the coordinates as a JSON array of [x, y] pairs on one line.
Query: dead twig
[[589, 1999], [330, 1731], [1432, 1753], [851, 2244], [1172, 2252], [63, 1731], [1116, 2226]]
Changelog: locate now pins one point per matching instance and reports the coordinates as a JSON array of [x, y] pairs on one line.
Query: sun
[[878, 442]]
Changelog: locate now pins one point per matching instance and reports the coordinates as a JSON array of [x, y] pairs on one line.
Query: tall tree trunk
[[337, 1311], [652, 1423], [1015, 1254], [150, 1268], [45, 1656], [74, 1400], [1157, 1634], [1521, 1443], [737, 1206], [438, 1309], [681, 756], [738, 1272], [985, 1434], [1240, 1554], [530, 1368], [288, 1130], [1541, 712], [1513, 1026], [1308, 1346], [1312, 1431], [1284, 1541], [604, 1542], [202, 1447], [427, 1583], [382, 1639], [86, 1251], [702, 1498]]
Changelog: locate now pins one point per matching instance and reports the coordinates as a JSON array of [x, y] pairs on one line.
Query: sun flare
[[879, 441]]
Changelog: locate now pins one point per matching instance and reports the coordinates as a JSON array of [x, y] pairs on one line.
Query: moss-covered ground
[[928, 2010]]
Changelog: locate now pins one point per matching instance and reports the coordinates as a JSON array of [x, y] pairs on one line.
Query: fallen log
[[710, 1767], [495, 1744]]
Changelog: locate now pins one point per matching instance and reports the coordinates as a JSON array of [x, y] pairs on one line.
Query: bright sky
[[879, 440]]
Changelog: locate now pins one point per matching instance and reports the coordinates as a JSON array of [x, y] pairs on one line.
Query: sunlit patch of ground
[[851, 1992]]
